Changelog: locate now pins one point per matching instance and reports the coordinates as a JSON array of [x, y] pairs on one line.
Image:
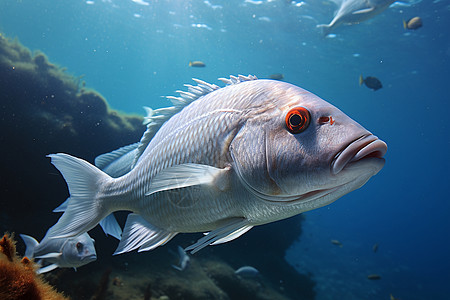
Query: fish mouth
[[91, 257], [364, 147]]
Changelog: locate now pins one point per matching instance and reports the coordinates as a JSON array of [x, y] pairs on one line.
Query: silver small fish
[[184, 259], [61, 252], [354, 12], [222, 160]]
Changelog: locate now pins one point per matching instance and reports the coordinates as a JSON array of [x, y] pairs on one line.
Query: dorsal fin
[[156, 118], [238, 79]]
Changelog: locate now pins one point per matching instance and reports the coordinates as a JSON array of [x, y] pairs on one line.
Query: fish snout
[[364, 147], [89, 258]]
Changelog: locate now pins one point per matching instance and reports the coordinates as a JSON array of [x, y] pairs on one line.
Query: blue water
[[133, 54]]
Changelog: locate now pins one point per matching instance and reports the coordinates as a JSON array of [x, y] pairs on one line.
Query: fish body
[[354, 12], [60, 253], [371, 82], [250, 153], [413, 23], [197, 64]]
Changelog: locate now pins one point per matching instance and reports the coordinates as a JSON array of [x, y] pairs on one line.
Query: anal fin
[[47, 268], [138, 233], [232, 229]]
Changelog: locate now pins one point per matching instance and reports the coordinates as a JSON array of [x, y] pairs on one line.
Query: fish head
[[79, 251], [301, 150]]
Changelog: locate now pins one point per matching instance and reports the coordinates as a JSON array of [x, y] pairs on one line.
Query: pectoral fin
[[49, 255], [111, 227], [363, 11], [47, 269], [232, 229], [138, 233], [184, 175]]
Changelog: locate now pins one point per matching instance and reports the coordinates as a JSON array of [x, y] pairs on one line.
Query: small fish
[[60, 252], [222, 160], [247, 272], [374, 277], [337, 243], [184, 259], [391, 297], [197, 64], [276, 76], [375, 248], [371, 82], [354, 12], [413, 23]]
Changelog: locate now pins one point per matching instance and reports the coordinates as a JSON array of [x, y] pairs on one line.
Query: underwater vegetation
[[46, 110], [18, 278]]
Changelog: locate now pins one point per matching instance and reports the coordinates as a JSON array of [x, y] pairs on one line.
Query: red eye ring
[[297, 119], [79, 246]]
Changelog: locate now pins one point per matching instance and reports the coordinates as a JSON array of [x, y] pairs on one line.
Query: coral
[[18, 279]]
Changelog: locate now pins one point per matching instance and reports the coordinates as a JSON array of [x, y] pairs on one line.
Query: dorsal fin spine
[[156, 118]]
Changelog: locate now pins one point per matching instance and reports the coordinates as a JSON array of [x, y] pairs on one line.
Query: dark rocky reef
[[45, 110]]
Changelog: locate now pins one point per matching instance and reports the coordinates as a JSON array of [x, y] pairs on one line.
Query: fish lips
[[367, 148], [89, 258]]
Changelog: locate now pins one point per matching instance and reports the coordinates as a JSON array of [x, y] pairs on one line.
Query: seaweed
[[101, 292]]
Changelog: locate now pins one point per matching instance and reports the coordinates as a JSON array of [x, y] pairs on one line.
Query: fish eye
[[297, 119], [79, 246]]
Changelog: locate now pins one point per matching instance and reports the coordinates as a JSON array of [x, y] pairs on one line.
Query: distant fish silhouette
[[247, 272], [276, 76], [337, 243], [413, 23], [354, 12], [374, 277], [197, 64], [184, 259], [371, 82], [375, 248]]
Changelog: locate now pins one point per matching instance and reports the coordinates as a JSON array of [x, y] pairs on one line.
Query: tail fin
[[361, 79], [85, 209], [190, 64], [404, 24], [30, 244]]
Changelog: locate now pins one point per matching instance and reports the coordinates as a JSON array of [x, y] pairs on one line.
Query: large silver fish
[[354, 12], [223, 160]]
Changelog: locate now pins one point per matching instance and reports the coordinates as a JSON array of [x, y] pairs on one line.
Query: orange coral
[[18, 278]]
